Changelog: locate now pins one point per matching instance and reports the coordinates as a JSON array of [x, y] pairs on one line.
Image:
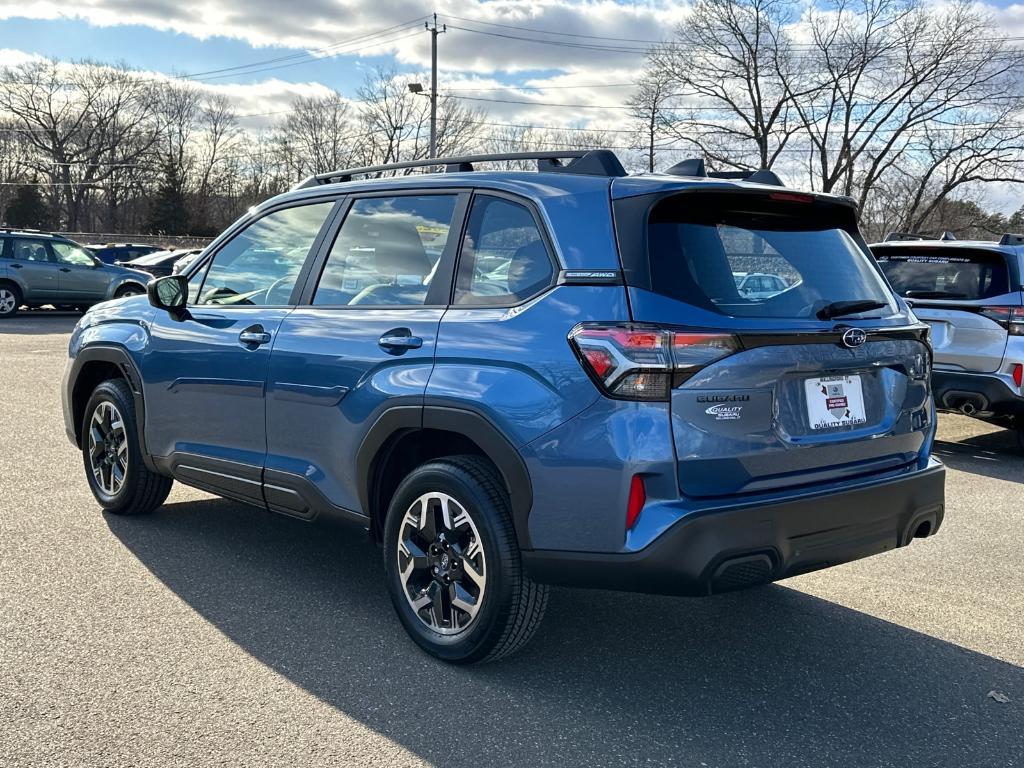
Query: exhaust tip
[[968, 409]]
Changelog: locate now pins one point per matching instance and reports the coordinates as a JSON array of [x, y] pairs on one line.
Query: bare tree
[[78, 119], [729, 68], [317, 135], [648, 108], [904, 87]]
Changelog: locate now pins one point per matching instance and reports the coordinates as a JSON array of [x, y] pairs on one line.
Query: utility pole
[[434, 32]]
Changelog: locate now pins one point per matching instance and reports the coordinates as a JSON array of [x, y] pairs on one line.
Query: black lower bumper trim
[[730, 549], [985, 394]]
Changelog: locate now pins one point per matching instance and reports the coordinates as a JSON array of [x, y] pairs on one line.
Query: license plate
[[834, 401]]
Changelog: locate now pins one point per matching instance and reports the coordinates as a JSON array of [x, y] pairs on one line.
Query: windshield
[[763, 261], [956, 274]]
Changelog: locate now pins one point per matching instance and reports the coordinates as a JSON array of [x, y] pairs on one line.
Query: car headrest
[[529, 270], [397, 247]]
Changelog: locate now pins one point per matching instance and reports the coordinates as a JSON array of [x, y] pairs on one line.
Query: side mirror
[[169, 293]]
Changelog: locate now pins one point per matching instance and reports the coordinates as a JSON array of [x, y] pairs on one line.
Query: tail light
[[635, 362], [1011, 318], [1018, 376]]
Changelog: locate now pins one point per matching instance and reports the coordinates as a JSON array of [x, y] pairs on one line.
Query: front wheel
[[129, 290], [453, 566], [117, 475]]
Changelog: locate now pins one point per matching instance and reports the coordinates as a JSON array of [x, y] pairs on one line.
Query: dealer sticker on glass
[[834, 401]]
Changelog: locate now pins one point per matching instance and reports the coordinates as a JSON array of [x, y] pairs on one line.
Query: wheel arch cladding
[[404, 437], [94, 365]]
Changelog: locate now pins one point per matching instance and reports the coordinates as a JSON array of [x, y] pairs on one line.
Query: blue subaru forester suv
[[516, 379]]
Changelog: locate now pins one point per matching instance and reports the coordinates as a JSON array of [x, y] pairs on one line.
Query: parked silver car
[[972, 296], [37, 268]]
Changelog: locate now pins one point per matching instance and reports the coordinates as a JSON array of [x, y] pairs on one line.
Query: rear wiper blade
[[934, 295], [842, 308]]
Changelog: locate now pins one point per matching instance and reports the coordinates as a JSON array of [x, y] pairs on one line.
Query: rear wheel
[[10, 300], [117, 475], [453, 566]]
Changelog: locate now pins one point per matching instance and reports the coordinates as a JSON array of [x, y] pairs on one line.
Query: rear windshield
[[760, 260], [950, 274]]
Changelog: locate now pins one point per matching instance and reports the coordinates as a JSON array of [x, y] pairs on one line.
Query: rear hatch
[[823, 379], [953, 288]]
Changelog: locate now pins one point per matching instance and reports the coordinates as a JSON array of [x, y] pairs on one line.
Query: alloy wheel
[[441, 563], [8, 301], [108, 448]]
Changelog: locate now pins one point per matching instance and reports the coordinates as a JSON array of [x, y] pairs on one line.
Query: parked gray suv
[[38, 268]]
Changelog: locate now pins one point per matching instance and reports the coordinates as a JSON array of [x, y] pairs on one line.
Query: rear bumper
[[987, 394], [754, 544]]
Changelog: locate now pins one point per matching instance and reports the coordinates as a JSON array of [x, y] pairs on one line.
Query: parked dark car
[[112, 253], [158, 263], [517, 379], [38, 268]]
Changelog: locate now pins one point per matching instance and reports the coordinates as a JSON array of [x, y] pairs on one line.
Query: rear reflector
[[637, 499], [1018, 376]]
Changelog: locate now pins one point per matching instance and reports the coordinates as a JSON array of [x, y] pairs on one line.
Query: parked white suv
[[970, 293]]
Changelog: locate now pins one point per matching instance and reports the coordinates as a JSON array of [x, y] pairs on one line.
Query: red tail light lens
[[1011, 318], [637, 499], [1018, 376], [643, 363]]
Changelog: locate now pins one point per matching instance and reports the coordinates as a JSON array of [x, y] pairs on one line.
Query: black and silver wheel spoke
[[441, 563], [108, 448]]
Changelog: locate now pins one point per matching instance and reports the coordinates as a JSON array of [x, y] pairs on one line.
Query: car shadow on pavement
[[39, 322], [993, 454], [764, 677]]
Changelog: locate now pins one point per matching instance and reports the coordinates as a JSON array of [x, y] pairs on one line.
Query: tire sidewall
[[476, 642], [117, 393]]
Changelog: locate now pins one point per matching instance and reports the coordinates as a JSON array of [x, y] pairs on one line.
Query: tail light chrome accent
[[639, 362]]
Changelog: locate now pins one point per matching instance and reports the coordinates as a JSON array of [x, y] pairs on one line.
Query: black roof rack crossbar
[[695, 167], [592, 162]]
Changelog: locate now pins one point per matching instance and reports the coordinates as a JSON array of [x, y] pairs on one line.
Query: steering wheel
[[282, 286]]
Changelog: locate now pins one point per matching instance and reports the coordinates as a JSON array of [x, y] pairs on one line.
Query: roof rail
[[590, 162], [694, 166], [1011, 239]]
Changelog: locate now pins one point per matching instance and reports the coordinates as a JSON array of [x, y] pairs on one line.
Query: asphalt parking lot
[[212, 633]]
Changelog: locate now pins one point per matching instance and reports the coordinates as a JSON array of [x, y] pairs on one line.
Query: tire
[[139, 490], [129, 290], [1018, 428], [507, 605], [10, 300]]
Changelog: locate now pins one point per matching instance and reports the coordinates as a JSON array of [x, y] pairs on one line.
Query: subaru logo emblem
[[854, 337]]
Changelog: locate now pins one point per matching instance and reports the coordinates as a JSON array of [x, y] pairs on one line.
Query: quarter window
[[386, 252], [259, 266], [504, 259]]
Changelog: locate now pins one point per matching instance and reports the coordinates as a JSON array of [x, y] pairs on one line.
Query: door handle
[[16, 266], [394, 340], [65, 269], [254, 334]]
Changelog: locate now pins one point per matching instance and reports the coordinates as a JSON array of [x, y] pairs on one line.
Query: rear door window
[[759, 259], [955, 274]]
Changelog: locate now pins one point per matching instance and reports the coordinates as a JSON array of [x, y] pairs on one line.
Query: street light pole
[[433, 82]]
